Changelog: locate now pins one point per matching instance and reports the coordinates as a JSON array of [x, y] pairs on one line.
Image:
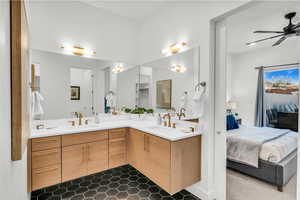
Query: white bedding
[[274, 150]]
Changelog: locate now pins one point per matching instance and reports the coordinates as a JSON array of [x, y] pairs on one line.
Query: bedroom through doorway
[[262, 102]]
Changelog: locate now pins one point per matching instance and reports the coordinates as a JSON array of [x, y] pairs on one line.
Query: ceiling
[[134, 10], [261, 16]]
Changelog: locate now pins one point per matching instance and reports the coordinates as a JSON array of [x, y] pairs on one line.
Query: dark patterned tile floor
[[119, 183]]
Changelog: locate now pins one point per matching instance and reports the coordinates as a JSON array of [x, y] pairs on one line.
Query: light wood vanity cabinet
[[74, 164], [84, 154], [157, 160], [117, 147], [171, 165], [136, 149], [45, 162]]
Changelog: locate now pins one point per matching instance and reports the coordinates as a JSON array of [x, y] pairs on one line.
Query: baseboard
[[201, 193]]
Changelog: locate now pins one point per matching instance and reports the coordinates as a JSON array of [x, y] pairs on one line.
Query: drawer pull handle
[[49, 170], [83, 155], [88, 153]]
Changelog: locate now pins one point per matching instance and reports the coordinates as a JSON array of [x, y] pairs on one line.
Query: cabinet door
[[46, 176], [117, 147], [158, 163], [74, 164], [97, 156], [135, 149]]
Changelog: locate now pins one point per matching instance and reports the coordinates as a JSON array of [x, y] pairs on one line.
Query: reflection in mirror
[[81, 91], [127, 85], [74, 84], [169, 83]]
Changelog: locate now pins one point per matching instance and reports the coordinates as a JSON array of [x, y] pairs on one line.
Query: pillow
[[231, 123]]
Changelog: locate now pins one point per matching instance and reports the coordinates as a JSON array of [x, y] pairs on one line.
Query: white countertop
[[148, 126]]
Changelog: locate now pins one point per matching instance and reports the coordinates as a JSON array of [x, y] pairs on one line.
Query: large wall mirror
[[72, 84], [169, 83]]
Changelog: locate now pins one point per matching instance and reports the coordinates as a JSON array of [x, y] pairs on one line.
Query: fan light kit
[[178, 68], [118, 68], [78, 51], [174, 48], [291, 30]]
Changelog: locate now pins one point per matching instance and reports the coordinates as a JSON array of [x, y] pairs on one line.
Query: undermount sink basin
[[82, 126], [69, 127], [179, 127], [159, 128]]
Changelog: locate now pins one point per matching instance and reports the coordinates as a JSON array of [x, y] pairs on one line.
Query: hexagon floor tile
[[119, 183]]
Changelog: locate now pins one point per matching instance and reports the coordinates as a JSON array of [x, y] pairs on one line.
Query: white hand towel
[[199, 95], [111, 100], [199, 102], [36, 103]]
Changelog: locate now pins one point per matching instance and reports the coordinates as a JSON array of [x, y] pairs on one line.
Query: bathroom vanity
[[169, 157]]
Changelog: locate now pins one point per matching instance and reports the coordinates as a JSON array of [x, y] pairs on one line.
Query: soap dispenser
[[158, 119], [97, 120]]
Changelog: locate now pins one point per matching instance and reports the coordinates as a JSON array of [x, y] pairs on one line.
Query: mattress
[[275, 150]]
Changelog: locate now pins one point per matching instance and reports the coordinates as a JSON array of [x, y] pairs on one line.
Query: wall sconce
[[178, 68], [118, 68], [174, 48], [78, 51]]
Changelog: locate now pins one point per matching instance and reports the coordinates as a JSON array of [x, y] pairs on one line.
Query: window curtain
[[260, 120]]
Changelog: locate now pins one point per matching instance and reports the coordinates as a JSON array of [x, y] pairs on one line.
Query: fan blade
[[279, 41], [249, 43], [268, 32]]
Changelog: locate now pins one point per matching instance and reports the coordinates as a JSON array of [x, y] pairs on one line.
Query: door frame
[[218, 78]]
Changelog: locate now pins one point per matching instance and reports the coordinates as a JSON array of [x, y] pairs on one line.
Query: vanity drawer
[[52, 142], [81, 138], [117, 133], [46, 176], [46, 158]]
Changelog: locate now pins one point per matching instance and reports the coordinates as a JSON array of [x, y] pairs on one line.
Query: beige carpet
[[241, 187]]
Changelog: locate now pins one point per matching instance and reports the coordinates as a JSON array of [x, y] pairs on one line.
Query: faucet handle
[[192, 129], [40, 126], [174, 125], [72, 122]]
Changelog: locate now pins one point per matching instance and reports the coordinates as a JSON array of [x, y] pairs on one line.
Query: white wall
[[55, 81], [244, 76], [13, 175], [53, 23], [189, 21]]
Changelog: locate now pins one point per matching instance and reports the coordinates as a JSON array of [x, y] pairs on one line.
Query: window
[[282, 82]]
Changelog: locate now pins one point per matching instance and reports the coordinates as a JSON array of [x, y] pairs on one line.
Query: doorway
[[234, 82]]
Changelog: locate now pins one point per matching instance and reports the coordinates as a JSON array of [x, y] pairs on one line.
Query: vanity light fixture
[[79, 51], [174, 48], [118, 68], [178, 68]]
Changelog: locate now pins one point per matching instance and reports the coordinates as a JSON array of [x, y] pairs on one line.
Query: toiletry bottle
[[97, 120], [158, 119]]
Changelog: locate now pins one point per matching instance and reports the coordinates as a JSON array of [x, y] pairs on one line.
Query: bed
[[272, 159]]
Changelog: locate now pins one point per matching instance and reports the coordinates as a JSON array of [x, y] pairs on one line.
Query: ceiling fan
[[290, 30]]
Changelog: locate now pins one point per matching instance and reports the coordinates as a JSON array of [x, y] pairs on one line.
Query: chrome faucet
[[169, 119]]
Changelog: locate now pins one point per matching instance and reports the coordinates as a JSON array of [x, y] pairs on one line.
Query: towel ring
[[202, 84]]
